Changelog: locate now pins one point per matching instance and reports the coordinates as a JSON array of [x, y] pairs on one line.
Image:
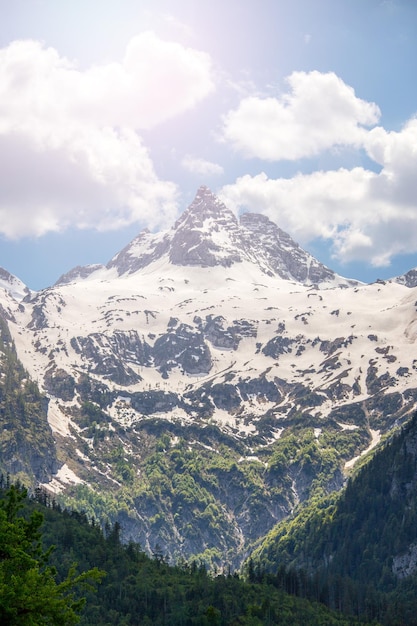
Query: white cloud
[[397, 153], [367, 216], [319, 111], [202, 167], [101, 179], [307, 206], [69, 146]]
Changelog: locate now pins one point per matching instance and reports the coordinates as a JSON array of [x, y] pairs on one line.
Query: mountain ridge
[[148, 247], [209, 234], [359, 545], [199, 401]]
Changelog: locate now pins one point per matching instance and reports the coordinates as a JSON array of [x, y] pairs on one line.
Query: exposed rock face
[[217, 373], [142, 251], [76, 273], [59, 383], [406, 564], [221, 335], [278, 254], [208, 234], [14, 286], [109, 355], [27, 448], [409, 279], [183, 347]]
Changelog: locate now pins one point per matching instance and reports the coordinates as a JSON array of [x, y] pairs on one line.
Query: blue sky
[[112, 115]]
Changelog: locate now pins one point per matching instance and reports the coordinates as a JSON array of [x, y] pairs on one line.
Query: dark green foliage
[[193, 489], [91, 390], [347, 546], [141, 590], [197, 488], [29, 592], [91, 414], [27, 448], [59, 383]]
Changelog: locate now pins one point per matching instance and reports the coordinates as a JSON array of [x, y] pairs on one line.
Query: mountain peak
[[204, 209], [205, 200], [206, 234], [78, 272], [409, 279], [277, 253], [13, 285]]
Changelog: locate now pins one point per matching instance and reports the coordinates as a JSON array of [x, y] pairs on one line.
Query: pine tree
[[29, 592]]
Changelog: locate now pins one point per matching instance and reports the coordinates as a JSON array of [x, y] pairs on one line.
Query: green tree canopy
[[30, 594]]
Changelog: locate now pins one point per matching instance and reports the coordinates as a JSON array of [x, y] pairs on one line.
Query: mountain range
[[204, 382]]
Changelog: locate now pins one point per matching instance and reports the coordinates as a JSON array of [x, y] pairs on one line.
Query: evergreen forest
[[66, 569], [354, 550]]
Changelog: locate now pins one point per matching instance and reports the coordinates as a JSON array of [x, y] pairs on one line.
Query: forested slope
[[27, 447], [138, 589], [356, 550]]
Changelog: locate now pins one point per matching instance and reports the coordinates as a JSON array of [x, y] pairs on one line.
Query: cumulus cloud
[[319, 112], [365, 215], [196, 165], [69, 146], [101, 179]]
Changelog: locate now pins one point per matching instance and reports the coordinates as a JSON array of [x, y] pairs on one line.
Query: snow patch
[[376, 438], [63, 477], [58, 421]]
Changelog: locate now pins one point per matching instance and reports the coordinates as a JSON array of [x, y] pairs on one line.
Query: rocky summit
[[208, 379], [208, 234]]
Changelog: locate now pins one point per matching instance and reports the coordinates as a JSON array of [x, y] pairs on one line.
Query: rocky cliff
[[212, 376]]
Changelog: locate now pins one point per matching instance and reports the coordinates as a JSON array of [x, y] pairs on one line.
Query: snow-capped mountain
[[224, 334], [409, 279], [12, 285], [208, 235]]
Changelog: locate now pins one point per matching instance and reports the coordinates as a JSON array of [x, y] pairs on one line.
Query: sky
[[112, 114]]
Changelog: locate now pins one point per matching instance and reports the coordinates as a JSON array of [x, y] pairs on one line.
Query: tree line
[[59, 567]]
